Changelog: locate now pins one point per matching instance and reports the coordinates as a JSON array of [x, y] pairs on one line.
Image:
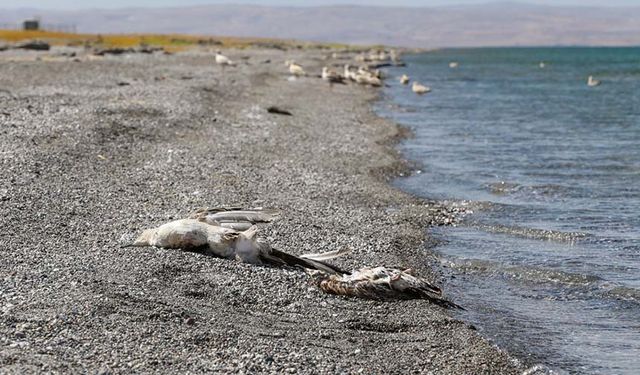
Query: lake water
[[548, 264]]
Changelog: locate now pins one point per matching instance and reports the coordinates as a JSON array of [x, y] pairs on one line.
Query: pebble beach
[[95, 149]]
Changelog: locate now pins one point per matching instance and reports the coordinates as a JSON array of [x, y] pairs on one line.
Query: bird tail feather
[[280, 257]]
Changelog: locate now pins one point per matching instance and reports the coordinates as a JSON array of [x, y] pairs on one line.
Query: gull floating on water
[[542, 65], [196, 233], [453, 64], [592, 82], [419, 88], [404, 79], [223, 60], [296, 69], [381, 283]]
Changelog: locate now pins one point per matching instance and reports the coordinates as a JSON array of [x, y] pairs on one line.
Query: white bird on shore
[[363, 70], [348, 73], [381, 283], [331, 76], [404, 79], [361, 58], [419, 88], [223, 60], [592, 82], [368, 79], [365, 77], [243, 246], [296, 69], [453, 64]]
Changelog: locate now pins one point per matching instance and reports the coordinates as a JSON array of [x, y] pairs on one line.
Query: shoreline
[[181, 134]]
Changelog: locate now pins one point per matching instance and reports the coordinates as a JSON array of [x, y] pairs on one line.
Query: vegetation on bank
[[170, 42]]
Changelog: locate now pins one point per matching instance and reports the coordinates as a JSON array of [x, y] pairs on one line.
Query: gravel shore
[[96, 150]]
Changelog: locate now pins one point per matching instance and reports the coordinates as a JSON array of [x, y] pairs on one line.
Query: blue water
[[548, 264]]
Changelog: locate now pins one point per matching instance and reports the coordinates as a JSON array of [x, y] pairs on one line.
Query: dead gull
[[381, 283], [197, 233]]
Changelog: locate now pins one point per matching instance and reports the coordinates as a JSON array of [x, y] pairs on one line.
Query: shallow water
[[549, 263]]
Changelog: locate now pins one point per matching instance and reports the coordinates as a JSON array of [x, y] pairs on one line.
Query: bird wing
[[362, 288], [328, 255], [382, 283], [232, 216]]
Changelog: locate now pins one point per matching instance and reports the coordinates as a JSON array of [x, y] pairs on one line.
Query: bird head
[[144, 239]]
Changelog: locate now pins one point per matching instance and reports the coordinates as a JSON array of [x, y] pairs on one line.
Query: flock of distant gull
[[363, 74]]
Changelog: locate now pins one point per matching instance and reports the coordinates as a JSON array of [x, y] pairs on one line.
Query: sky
[[83, 4]]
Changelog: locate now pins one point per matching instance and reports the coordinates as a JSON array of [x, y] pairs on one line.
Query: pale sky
[[83, 4]]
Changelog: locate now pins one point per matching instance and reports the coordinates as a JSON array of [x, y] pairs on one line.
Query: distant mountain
[[494, 24]]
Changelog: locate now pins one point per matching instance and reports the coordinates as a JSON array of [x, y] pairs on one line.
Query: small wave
[[522, 273], [543, 192], [590, 284], [401, 108], [532, 233], [503, 187], [624, 293], [540, 370]]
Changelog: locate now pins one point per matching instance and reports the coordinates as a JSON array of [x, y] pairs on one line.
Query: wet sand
[[95, 151]]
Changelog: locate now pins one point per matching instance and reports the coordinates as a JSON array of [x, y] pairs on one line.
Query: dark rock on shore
[[121, 51], [278, 111], [34, 45]]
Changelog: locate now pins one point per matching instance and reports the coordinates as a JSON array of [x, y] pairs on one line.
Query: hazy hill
[[496, 24]]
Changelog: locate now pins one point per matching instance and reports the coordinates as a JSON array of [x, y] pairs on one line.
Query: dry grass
[[170, 42]]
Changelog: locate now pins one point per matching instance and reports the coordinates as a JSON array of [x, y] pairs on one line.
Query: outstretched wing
[[236, 218]]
